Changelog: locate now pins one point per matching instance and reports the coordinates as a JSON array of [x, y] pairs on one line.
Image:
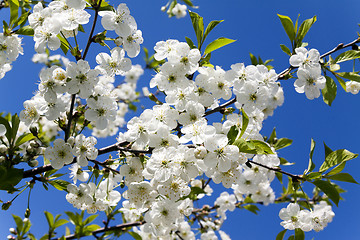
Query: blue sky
[[257, 29]]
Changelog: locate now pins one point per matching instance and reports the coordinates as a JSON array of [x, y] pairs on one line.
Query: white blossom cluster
[[158, 184], [310, 81], [317, 219], [58, 18], [10, 48]]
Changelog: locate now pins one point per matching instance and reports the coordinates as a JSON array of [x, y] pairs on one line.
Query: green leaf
[[327, 150], [311, 165], [90, 219], [50, 219], [348, 55], [328, 189], [188, 2], [22, 19], [19, 223], [15, 121], [344, 177], [284, 162], [24, 138], [288, 26], [14, 11], [329, 91], [313, 175], [285, 49], [341, 82], [245, 122], [282, 143], [190, 43], [232, 134], [26, 31], [253, 59], [4, 122], [252, 208], [218, 43], [210, 27], [135, 235], [89, 229], [299, 234], [281, 235], [64, 44], [336, 169], [272, 137], [198, 24], [261, 147], [9, 178], [60, 222], [304, 28], [350, 75], [59, 184], [335, 158]]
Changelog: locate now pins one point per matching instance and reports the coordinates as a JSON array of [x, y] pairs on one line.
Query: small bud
[[12, 230], [10, 237], [3, 149], [34, 131], [6, 205], [122, 184], [71, 141], [163, 8], [33, 163], [27, 213]]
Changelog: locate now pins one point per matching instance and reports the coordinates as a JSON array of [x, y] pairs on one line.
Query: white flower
[[131, 43], [121, 21], [2, 130], [116, 64], [83, 79], [353, 87], [179, 10], [30, 114], [101, 111], [305, 59], [84, 149], [310, 81], [76, 173], [60, 154], [290, 216]]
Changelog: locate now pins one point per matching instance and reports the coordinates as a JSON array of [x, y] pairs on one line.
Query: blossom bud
[[71, 141], [10, 237], [34, 131], [27, 213], [200, 152], [33, 163], [12, 230], [6, 205], [3, 149], [163, 8]]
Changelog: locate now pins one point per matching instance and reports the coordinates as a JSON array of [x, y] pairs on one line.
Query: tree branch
[[221, 107], [340, 46]]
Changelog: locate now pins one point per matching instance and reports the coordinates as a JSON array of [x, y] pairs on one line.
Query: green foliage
[[218, 43], [82, 227], [9, 178], [329, 189], [335, 158], [253, 146], [329, 91], [281, 235], [346, 56]]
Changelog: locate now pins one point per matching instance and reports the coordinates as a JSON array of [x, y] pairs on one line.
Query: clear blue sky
[[257, 29]]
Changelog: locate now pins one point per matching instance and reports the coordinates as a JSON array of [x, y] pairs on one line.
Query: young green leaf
[[245, 122], [328, 189], [281, 235], [232, 134], [210, 27], [26, 31], [285, 49], [350, 75], [335, 158], [311, 165], [198, 24], [299, 234], [303, 30], [344, 177], [288, 26], [218, 43], [329, 91], [282, 143], [14, 11], [348, 55]]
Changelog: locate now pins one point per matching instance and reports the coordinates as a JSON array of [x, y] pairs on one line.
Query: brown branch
[[104, 229], [340, 46], [293, 176], [221, 107]]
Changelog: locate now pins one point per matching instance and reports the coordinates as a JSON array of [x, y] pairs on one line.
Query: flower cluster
[[10, 48], [58, 18], [317, 219], [159, 184], [309, 75]]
